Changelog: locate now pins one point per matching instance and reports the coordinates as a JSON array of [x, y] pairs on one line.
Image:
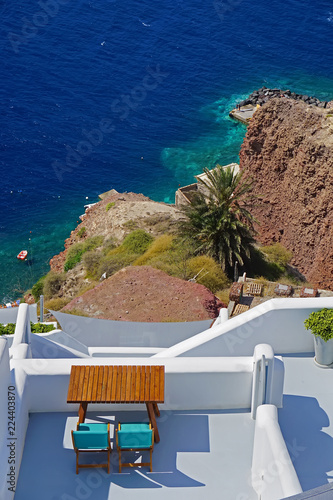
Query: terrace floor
[[306, 420], [202, 454]]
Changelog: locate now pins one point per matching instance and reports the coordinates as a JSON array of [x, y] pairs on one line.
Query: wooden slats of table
[[116, 384]]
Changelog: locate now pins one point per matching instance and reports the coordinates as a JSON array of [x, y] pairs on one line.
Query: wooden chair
[[135, 437], [91, 438]]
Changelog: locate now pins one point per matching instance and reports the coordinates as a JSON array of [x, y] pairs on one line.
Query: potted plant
[[321, 325]]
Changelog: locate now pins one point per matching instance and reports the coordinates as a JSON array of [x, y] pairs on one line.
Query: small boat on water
[[22, 255]]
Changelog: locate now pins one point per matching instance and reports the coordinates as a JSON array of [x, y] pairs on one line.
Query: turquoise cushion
[[135, 439], [90, 440], [93, 427], [135, 427]]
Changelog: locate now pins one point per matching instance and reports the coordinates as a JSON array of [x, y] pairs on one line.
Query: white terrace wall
[[273, 474], [189, 384], [94, 332], [10, 449], [278, 322], [9, 314], [4, 384]]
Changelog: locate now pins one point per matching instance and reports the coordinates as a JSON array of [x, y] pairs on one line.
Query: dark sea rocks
[[263, 95]]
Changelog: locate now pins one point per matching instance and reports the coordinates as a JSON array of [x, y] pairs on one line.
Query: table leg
[[82, 412], [156, 410], [152, 419]]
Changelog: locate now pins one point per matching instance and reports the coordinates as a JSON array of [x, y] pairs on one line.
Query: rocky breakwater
[[263, 95], [288, 152]]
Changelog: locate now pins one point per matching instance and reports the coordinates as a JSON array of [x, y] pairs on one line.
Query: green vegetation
[[38, 288], [321, 323], [74, 256], [137, 242], [278, 254], [131, 225], [75, 252], [159, 246], [9, 329], [82, 232], [53, 283], [114, 261], [207, 272], [219, 221], [111, 258], [109, 205], [168, 254], [108, 245], [223, 295], [56, 303], [40, 328]]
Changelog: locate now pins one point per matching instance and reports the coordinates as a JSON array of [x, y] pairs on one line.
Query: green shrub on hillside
[[168, 254], [109, 205], [278, 254], [57, 303], [91, 261], [82, 232], [115, 261], [108, 245], [137, 241], [74, 255], [75, 252], [206, 271], [37, 289], [92, 243], [160, 245], [53, 283]]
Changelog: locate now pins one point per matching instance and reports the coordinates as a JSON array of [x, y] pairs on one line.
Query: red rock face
[[288, 152], [142, 293]]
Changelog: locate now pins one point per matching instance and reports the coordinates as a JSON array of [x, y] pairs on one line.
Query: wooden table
[[117, 384]]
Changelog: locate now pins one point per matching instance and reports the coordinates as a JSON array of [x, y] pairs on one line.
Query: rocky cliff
[[288, 151]]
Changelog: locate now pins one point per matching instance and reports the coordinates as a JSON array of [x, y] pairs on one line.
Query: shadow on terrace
[[184, 460]]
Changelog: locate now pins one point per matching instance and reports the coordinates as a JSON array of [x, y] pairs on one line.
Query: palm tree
[[218, 218]]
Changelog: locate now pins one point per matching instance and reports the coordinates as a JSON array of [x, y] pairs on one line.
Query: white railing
[[268, 378], [20, 348], [273, 474]]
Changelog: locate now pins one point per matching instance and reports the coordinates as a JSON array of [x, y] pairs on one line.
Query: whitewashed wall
[[273, 474], [5, 384], [189, 384], [94, 332], [277, 322]]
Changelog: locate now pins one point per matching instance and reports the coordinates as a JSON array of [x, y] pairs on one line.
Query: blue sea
[[132, 95]]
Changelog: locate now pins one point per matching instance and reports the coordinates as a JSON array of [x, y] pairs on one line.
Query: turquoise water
[[90, 60]]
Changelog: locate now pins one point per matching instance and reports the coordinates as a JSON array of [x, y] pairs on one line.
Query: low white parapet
[[273, 474], [277, 322]]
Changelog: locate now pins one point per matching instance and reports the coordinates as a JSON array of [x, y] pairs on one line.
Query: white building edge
[[247, 413]]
